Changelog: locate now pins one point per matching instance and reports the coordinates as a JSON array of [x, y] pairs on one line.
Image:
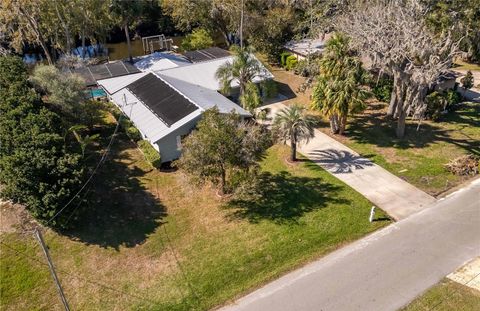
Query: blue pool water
[[93, 93]]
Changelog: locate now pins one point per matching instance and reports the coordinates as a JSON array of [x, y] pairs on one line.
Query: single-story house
[[305, 47], [165, 94], [165, 110]]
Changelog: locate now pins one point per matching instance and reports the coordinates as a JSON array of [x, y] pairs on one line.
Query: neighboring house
[[165, 94], [305, 47]]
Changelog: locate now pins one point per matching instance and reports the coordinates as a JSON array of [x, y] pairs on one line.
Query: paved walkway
[[385, 270], [387, 191]]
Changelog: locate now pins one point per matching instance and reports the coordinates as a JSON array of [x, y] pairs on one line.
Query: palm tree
[[293, 124], [244, 68], [85, 141], [338, 92]]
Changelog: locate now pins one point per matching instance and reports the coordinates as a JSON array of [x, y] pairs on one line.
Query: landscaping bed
[[153, 241]]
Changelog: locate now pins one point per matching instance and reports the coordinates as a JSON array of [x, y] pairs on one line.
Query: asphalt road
[[385, 270]]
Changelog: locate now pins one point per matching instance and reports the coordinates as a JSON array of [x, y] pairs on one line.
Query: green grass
[[459, 64], [419, 158], [165, 245], [447, 296]]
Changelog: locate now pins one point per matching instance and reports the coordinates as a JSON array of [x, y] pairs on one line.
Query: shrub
[[467, 81], [291, 62], [382, 89], [283, 58], [452, 97], [197, 40], [151, 155], [132, 132], [436, 104], [440, 102]]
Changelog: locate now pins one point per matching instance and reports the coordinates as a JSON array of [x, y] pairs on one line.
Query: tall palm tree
[[339, 92], [293, 124], [243, 69]]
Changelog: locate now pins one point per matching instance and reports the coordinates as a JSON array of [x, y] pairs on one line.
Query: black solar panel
[[92, 74], [169, 105], [206, 54]]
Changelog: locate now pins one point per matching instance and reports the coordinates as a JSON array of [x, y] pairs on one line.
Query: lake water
[[118, 51]]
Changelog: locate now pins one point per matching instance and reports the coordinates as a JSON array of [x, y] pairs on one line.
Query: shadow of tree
[[375, 128], [282, 198], [339, 161], [120, 210]]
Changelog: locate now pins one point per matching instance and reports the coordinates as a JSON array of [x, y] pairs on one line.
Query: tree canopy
[[222, 147], [37, 168]]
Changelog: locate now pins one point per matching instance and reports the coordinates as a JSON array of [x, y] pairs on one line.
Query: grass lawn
[[447, 296], [419, 158], [151, 241], [461, 65]]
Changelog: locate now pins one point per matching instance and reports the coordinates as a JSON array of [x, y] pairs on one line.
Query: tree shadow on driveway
[[339, 161], [282, 198]]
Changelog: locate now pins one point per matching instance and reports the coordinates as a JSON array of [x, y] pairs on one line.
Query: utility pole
[[39, 236], [241, 25]]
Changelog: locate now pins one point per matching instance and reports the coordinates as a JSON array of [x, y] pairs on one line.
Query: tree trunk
[[334, 124], [223, 182], [66, 30], [394, 97], [293, 150], [127, 35], [83, 42], [401, 124], [35, 27], [343, 125]]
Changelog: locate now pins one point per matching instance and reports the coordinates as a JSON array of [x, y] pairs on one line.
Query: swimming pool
[[94, 93]]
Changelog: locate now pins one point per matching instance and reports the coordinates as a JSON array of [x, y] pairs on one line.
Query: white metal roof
[[205, 98], [161, 61], [305, 47], [203, 73], [113, 85], [144, 119]]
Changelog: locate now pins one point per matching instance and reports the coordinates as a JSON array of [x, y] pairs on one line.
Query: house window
[[179, 143]]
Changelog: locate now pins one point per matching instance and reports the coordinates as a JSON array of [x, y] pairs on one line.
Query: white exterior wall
[[168, 144]]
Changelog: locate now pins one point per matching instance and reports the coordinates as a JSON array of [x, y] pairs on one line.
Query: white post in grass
[[372, 214]]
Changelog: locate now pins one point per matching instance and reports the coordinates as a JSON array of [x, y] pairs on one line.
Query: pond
[[118, 51]]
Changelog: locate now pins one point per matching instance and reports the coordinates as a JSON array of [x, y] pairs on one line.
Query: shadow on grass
[[283, 198], [120, 210], [375, 128]]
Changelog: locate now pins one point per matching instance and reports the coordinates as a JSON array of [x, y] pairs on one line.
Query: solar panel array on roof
[[169, 105], [206, 54], [92, 74]]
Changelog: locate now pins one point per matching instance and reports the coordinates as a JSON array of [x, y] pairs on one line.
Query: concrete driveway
[[387, 191]]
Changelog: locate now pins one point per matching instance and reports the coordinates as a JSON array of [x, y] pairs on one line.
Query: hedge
[[132, 132], [150, 153], [283, 58], [291, 62]]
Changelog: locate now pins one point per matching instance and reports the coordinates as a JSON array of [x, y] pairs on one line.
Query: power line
[[105, 153], [107, 287]]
